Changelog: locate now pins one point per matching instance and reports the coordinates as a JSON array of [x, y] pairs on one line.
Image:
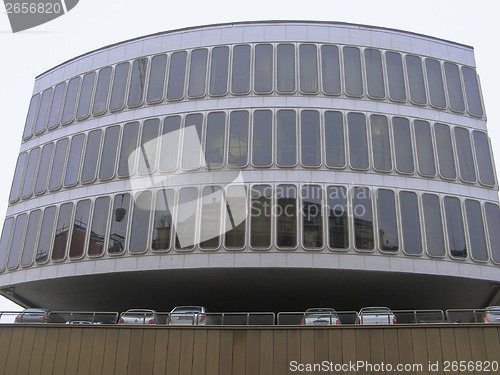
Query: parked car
[[189, 315], [32, 316], [375, 315], [492, 314], [138, 316], [320, 316]]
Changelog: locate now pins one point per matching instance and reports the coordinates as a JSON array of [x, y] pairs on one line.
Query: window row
[[260, 216], [261, 69]]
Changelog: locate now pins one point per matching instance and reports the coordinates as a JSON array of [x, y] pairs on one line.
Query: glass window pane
[[262, 139], [387, 222], [169, 143], [403, 145], [455, 227], [374, 73], [175, 86], [55, 107], [109, 149], [191, 145], [395, 75], [410, 220], [99, 224], [29, 176], [162, 225], [75, 155], [17, 241], [186, 219], [79, 231], [464, 153], [363, 219], [85, 96], [117, 100], [43, 168], [286, 68], [140, 222], [218, 71], [45, 240], [425, 149], [5, 241], [286, 216], [240, 83], [119, 218], [149, 141], [18, 177], [334, 139], [70, 101], [30, 118], [310, 139], [157, 79], [380, 143], [433, 225], [101, 91], [352, 71], [493, 221], [286, 138], [472, 90], [416, 79], [238, 139], [137, 82], [454, 87], [263, 68], [435, 82], [91, 155], [331, 70], [444, 148], [312, 217], [56, 173], [62, 231], [477, 238], [214, 143], [483, 158], [236, 214], [41, 119], [210, 217], [198, 72], [308, 61], [338, 224], [358, 147], [126, 163], [260, 224]]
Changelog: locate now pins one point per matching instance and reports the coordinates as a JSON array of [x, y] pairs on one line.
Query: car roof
[[141, 310], [320, 309], [35, 310], [375, 309]]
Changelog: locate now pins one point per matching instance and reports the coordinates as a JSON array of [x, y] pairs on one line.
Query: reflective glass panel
[[308, 61], [101, 91], [410, 221], [191, 145], [425, 150], [433, 225], [331, 69], [286, 216], [99, 224], [240, 83], [454, 87], [444, 148], [435, 82], [338, 224], [387, 222], [238, 139], [91, 155], [236, 215], [334, 139], [169, 143], [56, 173], [186, 219], [55, 107], [312, 217], [403, 145], [18, 177], [363, 219], [310, 139], [286, 138], [119, 218], [263, 68], [286, 68], [262, 139], [381, 146], [70, 101], [62, 231], [17, 241], [45, 240], [43, 168], [198, 72], [162, 225], [455, 227], [395, 75], [85, 96], [493, 221], [210, 217], [218, 70], [352, 71], [214, 143], [31, 116], [109, 149], [157, 78], [472, 91], [79, 232], [175, 85], [464, 153], [475, 225], [374, 73], [149, 142], [75, 155], [260, 224], [126, 161], [41, 119], [117, 100], [5, 241], [358, 147], [416, 79], [137, 82], [29, 176], [483, 158], [140, 222]]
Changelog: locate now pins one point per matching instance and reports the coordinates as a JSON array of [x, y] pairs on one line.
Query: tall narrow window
[[475, 225], [363, 219], [175, 86], [493, 221], [380, 143], [197, 73], [358, 147], [120, 78], [41, 119], [238, 139], [310, 139], [410, 221], [61, 235], [454, 87], [55, 107], [30, 240], [126, 161], [262, 139], [109, 149], [137, 82], [331, 69], [18, 177], [186, 219], [191, 145], [102, 91], [434, 235], [308, 61], [5, 241], [403, 145], [472, 91], [260, 224], [117, 237], [70, 101], [444, 148], [416, 79], [312, 217], [215, 139], [218, 72], [455, 227], [75, 155], [236, 214], [387, 222], [85, 96], [483, 158], [286, 139], [425, 150], [43, 168], [210, 217], [29, 176], [148, 144], [286, 216], [56, 173], [17, 241], [352, 71], [162, 225], [464, 153], [435, 82], [334, 139], [30, 118], [140, 222], [263, 68], [395, 75], [286, 68], [46, 231], [169, 143], [374, 73], [338, 218], [156, 79], [240, 83], [79, 230], [91, 155], [99, 225]]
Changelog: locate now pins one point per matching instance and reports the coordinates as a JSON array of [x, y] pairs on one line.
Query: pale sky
[[96, 23]]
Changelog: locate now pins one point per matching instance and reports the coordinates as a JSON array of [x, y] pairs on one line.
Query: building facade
[[256, 166]]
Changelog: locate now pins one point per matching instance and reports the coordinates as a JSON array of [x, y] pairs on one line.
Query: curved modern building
[[260, 166]]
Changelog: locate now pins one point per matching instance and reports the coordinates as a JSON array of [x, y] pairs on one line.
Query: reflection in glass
[[99, 224], [30, 118], [380, 143], [338, 225], [454, 87], [55, 107], [43, 111], [240, 84], [29, 175], [433, 225], [18, 175], [31, 236], [403, 145], [43, 168], [286, 216], [119, 218], [186, 219], [137, 82], [235, 211], [312, 217], [169, 143], [126, 161], [352, 71], [191, 145], [238, 139], [62, 231], [483, 158], [410, 221], [157, 78], [455, 226], [435, 81], [214, 143], [334, 139], [387, 222], [5, 241], [218, 72], [117, 100], [262, 139], [149, 141], [374, 73], [475, 225], [286, 138], [446, 159], [140, 222], [493, 221], [91, 155], [308, 61], [363, 219], [101, 91], [79, 231], [109, 149], [416, 79], [162, 225], [286, 68], [263, 68], [85, 96], [75, 155], [198, 72], [331, 69], [425, 150], [472, 90], [358, 146], [464, 153], [260, 224], [210, 217], [17, 241], [56, 173], [310, 139], [175, 85], [70, 101], [45, 240], [395, 76]]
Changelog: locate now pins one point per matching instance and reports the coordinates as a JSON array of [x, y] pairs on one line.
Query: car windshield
[[187, 309], [494, 311], [139, 312], [319, 312]]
